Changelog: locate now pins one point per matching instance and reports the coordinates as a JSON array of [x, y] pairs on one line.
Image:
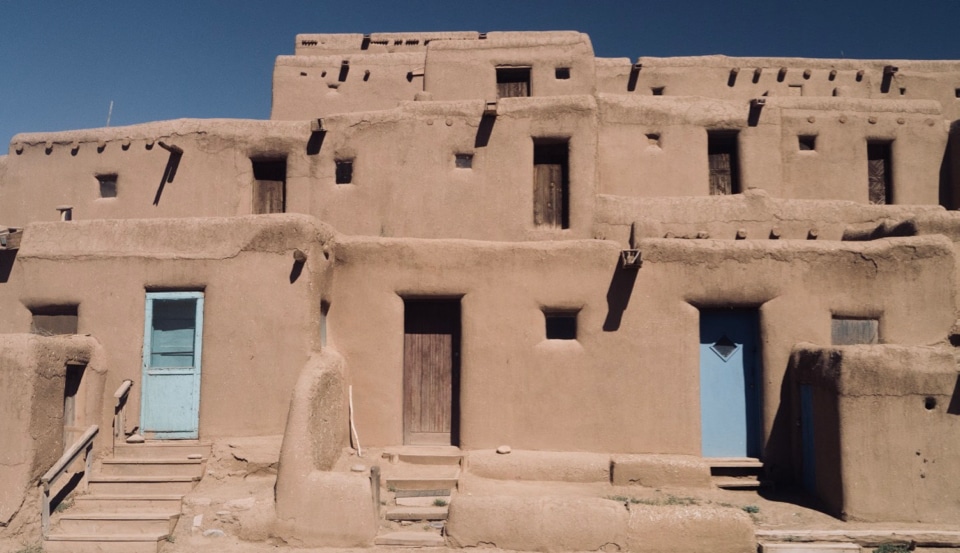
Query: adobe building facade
[[466, 240]]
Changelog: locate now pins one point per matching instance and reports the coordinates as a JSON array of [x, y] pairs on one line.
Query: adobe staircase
[[736, 473], [417, 484], [133, 500]]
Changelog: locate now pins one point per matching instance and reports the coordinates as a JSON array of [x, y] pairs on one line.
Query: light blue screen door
[[729, 383], [170, 405]]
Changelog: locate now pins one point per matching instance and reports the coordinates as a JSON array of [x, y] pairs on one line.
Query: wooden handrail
[[83, 444], [119, 415]]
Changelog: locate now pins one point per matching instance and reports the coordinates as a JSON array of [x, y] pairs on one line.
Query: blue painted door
[[729, 383], [170, 404]]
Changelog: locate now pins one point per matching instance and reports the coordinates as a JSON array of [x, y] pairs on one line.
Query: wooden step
[[422, 500], [815, 547], [734, 462], [152, 467], [736, 482], [421, 483], [432, 494], [411, 539], [167, 449], [119, 543], [417, 513], [136, 485], [114, 503], [117, 523]]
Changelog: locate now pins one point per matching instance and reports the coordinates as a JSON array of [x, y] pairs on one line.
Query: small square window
[[344, 171], [653, 139], [108, 185], [795, 90], [463, 161], [807, 142], [956, 92], [561, 325], [562, 73], [657, 90]]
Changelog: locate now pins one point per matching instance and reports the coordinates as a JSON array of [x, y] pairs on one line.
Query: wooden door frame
[[145, 363], [452, 438]]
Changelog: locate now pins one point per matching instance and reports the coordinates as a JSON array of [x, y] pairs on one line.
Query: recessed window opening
[[845, 331], [903, 91], [54, 320], [269, 185], [807, 142], [513, 82], [561, 324], [880, 172], [956, 92], [795, 90], [551, 186], [724, 162], [463, 161], [562, 73], [344, 171], [657, 90], [653, 139], [108, 185]]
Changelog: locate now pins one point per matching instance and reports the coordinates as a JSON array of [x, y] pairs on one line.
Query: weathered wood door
[[878, 170], [431, 367], [724, 170], [729, 383], [170, 401], [548, 195]]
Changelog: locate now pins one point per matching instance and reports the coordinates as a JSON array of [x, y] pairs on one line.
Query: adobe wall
[[713, 77], [635, 359], [261, 312], [212, 178], [32, 380], [907, 395], [753, 215], [631, 162]]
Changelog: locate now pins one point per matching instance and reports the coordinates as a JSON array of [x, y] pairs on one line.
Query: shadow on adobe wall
[[169, 172], [618, 296]]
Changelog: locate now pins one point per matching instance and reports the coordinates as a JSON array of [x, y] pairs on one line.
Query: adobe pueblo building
[[671, 272]]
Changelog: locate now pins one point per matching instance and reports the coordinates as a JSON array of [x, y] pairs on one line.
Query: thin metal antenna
[[109, 113]]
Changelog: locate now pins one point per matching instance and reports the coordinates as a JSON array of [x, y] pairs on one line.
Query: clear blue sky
[[61, 63]]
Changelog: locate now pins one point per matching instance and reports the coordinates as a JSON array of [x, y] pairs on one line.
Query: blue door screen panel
[[170, 404], [729, 378]]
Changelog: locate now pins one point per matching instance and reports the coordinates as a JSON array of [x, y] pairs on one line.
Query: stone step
[[168, 449], [152, 467], [118, 523], [133, 503], [137, 485], [411, 539], [421, 483], [425, 455], [736, 482], [76, 543], [417, 513], [814, 547]]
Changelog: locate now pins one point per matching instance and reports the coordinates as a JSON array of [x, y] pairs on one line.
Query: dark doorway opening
[[551, 183], [431, 371], [724, 162], [880, 172], [269, 185]]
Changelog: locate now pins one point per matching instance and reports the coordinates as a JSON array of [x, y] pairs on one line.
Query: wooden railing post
[[119, 412], [49, 478]]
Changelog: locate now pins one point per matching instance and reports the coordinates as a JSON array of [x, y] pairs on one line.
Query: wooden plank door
[[878, 172], [170, 400], [431, 357], [721, 174], [548, 195], [729, 383]]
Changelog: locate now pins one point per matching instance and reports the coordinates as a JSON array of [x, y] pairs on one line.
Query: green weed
[[438, 502]]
